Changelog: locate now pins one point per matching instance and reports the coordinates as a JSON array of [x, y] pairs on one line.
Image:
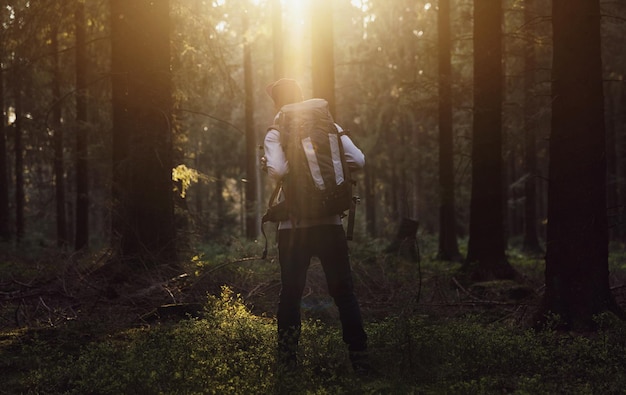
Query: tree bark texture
[[370, 201], [448, 245], [143, 216], [405, 243], [486, 247], [57, 143], [612, 197], [252, 177], [5, 227], [621, 162], [531, 237], [81, 239], [18, 150], [577, 274]]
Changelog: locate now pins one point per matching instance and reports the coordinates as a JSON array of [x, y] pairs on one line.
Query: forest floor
[[46, 290]]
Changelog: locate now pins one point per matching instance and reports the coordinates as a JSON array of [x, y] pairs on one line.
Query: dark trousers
[[296, 247]]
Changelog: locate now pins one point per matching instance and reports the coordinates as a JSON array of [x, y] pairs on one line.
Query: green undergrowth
[[228, 350], [443, 342]]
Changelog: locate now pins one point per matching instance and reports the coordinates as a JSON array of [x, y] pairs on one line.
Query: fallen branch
[[477, 299]]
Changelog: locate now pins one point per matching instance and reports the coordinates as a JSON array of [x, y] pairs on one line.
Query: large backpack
[[318, 183]]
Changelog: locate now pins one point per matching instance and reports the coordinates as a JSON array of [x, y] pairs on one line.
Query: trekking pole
[[351, 215]]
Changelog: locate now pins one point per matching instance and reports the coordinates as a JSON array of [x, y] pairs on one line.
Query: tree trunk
[[323, 62], [5, 227], [486, 248], [412, 172], [19, 160], [577, 272], [252, 185], [81, 239], [612, 197], [57, 143], [621, 160], [448, 245], [370, 202], [405, 243], [220, 205], [395, 207], [143, 217], [531, 238]]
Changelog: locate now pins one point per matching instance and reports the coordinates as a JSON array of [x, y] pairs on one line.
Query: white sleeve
[[354, 157], [277, 165]]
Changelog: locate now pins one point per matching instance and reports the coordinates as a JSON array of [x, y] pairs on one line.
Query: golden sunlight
[[362, 5], [295, 10], [295, 19]]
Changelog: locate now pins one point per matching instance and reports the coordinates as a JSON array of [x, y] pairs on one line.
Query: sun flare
[[295, 29], [295, 10]]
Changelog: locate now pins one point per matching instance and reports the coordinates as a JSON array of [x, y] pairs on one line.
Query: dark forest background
[[386, 89], [131, 131]]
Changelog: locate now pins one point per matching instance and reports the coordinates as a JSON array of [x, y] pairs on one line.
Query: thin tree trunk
[[5, 227], [448, 245], [396, 194], [82, 173], [370, 202], [252, 184], [58, 136], [19, 160], [621, 159], [417, 181], [219, 201]]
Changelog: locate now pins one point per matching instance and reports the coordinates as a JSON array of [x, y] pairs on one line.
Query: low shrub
[[414, 347]]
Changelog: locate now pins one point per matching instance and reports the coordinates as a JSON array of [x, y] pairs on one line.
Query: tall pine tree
[[143, 208], [577, 270], [486, 257]]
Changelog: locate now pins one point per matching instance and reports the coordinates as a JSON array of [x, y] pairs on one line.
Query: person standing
[[302, 239]]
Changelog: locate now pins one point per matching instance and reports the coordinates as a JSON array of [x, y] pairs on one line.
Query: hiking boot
[[286, 360], [287, 365], [360, 363]]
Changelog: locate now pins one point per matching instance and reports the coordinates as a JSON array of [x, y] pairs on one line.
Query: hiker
[[300, 239]]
